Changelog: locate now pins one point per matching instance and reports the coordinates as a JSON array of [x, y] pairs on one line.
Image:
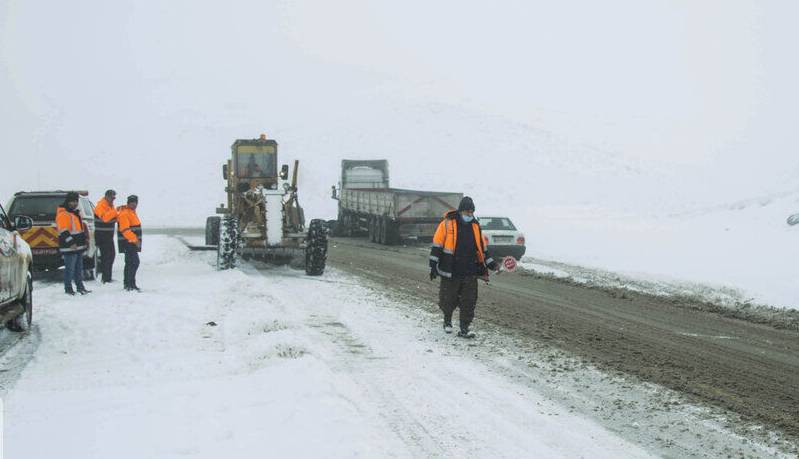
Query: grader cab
[[262, 218]]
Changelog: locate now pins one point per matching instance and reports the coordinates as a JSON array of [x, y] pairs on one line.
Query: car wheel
[[90, 271], [24, 321]]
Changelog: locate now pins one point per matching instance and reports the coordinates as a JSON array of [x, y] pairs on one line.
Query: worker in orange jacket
[[105, 220], [460, 256], [72, 242], [129, 234]]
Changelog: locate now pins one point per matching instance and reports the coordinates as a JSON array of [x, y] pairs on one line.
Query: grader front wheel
[[316, 248], [227, 248]]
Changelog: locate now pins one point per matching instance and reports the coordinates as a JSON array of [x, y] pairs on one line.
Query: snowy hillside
[[744, 246]]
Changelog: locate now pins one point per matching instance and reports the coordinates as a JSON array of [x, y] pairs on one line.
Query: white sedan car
[[502, 237]]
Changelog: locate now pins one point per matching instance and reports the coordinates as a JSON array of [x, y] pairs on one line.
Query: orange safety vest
[[129, 228], [106, 217], [445, 240], [71, 231]]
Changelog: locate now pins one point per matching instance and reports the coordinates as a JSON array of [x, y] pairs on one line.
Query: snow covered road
[[294, 366]]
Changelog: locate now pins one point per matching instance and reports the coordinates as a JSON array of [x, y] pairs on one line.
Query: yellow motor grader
[[262, 218]]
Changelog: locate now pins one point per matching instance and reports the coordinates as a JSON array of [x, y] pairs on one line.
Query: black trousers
[[131, 265], [105, 242], [458, 293]]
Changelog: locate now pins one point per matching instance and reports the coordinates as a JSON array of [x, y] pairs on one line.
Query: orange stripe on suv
[[41, 237]]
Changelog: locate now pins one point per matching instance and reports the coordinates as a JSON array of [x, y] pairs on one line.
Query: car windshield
[[496, 223], [36, 207], [256, 165]]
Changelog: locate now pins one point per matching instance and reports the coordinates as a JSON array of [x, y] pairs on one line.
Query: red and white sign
[[509, 263]]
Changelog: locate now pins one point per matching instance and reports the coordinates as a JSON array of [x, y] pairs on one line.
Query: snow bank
[[744, 249]]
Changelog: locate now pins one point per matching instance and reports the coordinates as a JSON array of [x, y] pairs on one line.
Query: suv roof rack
[[80, 192]]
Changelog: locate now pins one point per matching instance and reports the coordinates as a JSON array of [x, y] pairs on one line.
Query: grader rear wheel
[[212, 230]]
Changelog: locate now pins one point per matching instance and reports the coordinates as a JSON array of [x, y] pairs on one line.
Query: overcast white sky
[[147, 96]]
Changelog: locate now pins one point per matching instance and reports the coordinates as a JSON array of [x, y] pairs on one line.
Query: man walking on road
[[72, 242], [129, 236], [104, 226], [459, 256]]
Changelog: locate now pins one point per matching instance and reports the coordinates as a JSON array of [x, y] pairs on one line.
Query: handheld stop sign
[[509, 263]]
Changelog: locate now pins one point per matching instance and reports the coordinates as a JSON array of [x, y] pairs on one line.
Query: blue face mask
[[467, 218]]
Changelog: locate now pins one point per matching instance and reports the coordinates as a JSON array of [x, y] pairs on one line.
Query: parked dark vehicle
[[43, 237], [16, 280]]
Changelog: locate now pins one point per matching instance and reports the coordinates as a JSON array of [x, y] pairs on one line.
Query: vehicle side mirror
[[284, 172], [224, 171], [333, 193], [22, 223]]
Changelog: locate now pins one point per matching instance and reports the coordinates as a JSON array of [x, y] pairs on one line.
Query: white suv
[[16, 282], [502, 237]]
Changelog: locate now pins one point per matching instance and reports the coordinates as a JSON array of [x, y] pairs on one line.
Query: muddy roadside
[[748, 368]]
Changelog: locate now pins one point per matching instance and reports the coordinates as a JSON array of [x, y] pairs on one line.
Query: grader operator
[[262, 218]]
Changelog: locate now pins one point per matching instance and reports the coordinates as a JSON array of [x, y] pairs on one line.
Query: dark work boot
[[448, 324], [465, 332]]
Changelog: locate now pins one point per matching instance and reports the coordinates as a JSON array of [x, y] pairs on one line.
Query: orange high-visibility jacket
[[106, 217], [129, 228], [71, 231], [445, 240]]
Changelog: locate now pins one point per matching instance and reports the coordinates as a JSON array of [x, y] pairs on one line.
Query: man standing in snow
[[129, 238], [104, 225], [72, 242], [459, 256]]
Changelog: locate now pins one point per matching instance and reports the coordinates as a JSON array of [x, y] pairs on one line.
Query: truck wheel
[[23, 321], [392, 232], [332, 226], [212, 230], [227, 248], [316, 248]]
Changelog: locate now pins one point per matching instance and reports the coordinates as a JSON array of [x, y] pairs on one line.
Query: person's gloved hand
[[433, 274]]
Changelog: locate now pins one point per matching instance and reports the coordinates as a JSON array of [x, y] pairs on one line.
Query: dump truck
[[367, 205], [262, 218]]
